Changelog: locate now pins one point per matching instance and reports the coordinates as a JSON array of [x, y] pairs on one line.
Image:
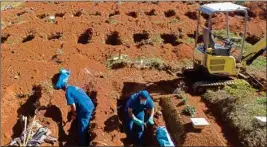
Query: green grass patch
[[186, 62], [157, 22], [258, 65], [188, 41], [153, 63], [237, 105], [122, 61], [262, 100], [189, 110], [111, 21], [155, 39], [117, 62], [175, 20], [12, 4]]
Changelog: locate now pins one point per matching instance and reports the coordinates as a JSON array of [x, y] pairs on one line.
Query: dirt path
[[213, 132]]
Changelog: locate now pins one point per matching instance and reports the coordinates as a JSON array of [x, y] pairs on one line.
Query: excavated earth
[[82, 38]]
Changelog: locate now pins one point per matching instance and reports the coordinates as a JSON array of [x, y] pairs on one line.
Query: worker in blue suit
[[81, 105], [135, 109]]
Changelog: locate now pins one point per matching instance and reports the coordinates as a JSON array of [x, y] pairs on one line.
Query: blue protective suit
[[84, 108], [133, 130], [163, 137], [64, 76]]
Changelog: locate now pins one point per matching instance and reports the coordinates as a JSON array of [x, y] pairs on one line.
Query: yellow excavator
[[216, 64]]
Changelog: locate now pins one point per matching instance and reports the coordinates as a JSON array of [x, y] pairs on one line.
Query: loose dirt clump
[[152, 12], [113, 39], [42, 16], [183, 51], [256, 9], [115, 13], [21, 13], [56, 35], [29, 37], [86, 36], [59, 14], [169, 13], [132, 14], [77, 13], [97, 13], [4, 38]]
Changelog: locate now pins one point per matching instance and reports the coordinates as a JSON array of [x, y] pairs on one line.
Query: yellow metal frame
[[229, 65], [258, 46]]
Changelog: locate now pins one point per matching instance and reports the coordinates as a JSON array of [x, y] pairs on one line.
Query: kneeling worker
[[135, 114], [81, 105]]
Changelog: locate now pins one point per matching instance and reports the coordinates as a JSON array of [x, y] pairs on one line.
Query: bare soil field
[[82, 39]]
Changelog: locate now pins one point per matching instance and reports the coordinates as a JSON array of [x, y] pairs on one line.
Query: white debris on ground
[[261, 118], [7, 7], [34, 134], [52, 19], [199, 123]]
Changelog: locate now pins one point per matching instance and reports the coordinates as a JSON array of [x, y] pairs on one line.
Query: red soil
[[34, 62]]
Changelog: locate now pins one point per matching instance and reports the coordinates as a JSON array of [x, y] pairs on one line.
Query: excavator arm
[[258, 49]]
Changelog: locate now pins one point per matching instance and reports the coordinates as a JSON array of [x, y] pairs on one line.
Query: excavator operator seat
[[209, 42], [220, 50]]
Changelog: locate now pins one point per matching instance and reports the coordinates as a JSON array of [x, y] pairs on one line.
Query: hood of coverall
[[63, 79], [144, 94]]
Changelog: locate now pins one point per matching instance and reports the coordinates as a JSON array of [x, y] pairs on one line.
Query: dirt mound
[[183, 51], [9, 107], [257, 9]]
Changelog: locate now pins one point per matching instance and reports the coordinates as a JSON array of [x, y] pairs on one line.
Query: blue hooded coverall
[[138, 111], [84, 108]]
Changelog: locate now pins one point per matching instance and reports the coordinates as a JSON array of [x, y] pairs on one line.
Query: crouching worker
[[135, 109], [81, 105]]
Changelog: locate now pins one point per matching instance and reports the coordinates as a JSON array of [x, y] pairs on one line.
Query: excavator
[[218, 63]]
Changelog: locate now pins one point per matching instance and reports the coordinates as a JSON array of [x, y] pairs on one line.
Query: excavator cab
[[215, 56], [215, 63]]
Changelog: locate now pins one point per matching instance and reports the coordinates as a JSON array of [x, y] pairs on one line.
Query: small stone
[[16, 77], [52, 19]]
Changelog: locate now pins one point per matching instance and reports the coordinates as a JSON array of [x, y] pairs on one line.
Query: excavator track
[[252, 80], [187, 70], [201, 86]]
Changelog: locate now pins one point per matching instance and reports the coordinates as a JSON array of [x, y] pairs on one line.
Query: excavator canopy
[[221, 7]]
